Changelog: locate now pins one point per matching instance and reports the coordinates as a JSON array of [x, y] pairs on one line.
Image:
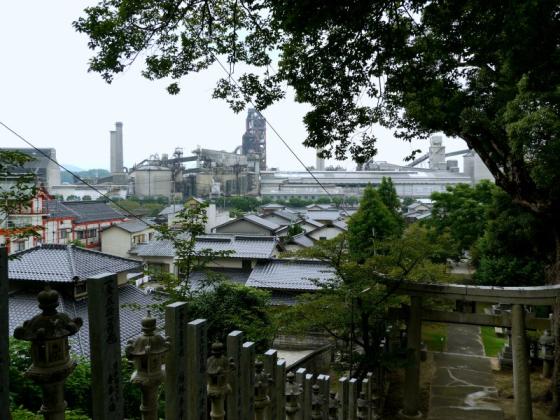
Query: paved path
[[463, 386]]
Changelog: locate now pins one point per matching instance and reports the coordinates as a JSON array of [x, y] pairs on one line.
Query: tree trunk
[[553, 277]]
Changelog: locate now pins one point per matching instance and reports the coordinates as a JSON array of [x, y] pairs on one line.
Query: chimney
[[117, 149], [320, 162]]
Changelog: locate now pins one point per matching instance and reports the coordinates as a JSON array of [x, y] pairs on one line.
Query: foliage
[[461, 211], [514, 249], [86, 198], [224, 305], [77, 243], [352, 307], [146, 207], [434, 335], [25, 396], [372, 222], [230, 306], [17, 189], [492, 344], [294, 229], [388, 195], [67, 177]]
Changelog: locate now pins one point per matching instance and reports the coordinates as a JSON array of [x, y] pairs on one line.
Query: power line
[[126, 212]]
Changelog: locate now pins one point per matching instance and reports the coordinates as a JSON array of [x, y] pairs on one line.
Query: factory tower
[[117, 149], [254, 139]]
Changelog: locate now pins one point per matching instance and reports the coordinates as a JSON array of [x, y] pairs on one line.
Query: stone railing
[[232, 382]]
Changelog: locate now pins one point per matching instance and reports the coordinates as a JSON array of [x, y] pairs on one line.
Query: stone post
[[147, 352], [218, 370], [362, 407], [247, 381], [280, 390], [521, 380], [262, 399], [270, 360], [105, 347], [50, 352], [343, 393], [293, 390], [233, 402], [303, 379], [546, 353], [197, 400], [4, 337], [411, 403], [176, 362]]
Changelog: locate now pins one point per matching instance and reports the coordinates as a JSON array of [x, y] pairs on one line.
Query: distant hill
[[66, 177], [72, 168]]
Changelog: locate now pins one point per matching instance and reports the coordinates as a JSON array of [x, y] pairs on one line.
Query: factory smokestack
[[117, 149], [320, 162]]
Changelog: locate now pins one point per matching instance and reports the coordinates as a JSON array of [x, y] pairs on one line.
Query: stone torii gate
[[518, 321]]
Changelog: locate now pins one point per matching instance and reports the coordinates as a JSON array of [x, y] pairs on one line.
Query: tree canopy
[[372, 222], [482, 71]]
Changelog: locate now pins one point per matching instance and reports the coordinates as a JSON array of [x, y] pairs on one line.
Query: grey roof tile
[[88, 211], [303, 240], [242, 246], [297, 275], [23, 306], [65, 263], [133, 225]]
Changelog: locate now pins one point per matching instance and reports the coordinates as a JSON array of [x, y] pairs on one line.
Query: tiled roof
[[65, 263], [57, 210], [232, 275], [242, 246], [133, 225], [88, 211], [303, 240], [313, 222], [323, 214], [341, 224], [252, 218], [260, 221], [287, 214], [23, 306], [290, 275], [172, 209]]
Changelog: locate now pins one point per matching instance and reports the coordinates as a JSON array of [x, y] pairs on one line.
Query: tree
[[461, 211], [86, 198], [17, 189], [371, 223], [388, 195], [514, 247], [351, 308], [225, 306], [294, 229], [482, 71]]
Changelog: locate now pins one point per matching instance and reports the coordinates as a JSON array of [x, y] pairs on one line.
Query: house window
[[151, 236], [18, 246], [81, 288], [63, 234], [322, 238], [92, 233], [80, 234]]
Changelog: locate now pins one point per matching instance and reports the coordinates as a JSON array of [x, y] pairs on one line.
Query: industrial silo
[[152, 181]]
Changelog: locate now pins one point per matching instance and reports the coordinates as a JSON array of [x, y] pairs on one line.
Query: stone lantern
[[218, 387], [333, 406], [147, 352], [293, 391], [262, 381], [48, 333], [316, 403], [546, 353]]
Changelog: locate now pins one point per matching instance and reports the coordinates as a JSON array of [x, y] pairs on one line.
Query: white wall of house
[[117, 241], [327, 232]]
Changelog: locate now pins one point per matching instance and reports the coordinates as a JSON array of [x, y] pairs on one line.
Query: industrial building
[[42, 165]]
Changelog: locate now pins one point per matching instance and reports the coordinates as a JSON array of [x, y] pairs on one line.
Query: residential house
[[66, 269], [120, 238], [297, 242], [328, 230], [88, 218], [215, 216], [244, 251], [249, 224]]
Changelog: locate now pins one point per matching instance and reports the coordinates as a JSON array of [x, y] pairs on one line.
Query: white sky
[[47, 95]]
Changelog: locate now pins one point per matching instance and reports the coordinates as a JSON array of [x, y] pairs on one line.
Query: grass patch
[[492, 344], [434, 335]]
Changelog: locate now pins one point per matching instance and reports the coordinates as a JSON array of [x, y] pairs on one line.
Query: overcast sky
[[47, 95]]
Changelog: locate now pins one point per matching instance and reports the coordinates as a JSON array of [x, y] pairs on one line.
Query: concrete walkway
[[463, 386]]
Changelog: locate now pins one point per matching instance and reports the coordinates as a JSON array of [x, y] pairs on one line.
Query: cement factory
[[243, 171]]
